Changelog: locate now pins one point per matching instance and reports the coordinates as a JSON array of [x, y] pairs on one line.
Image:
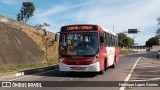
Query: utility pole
[[133, 31]]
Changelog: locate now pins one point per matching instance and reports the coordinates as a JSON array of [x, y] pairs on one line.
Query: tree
[[26, 11], [122, 37], [129, 41], [158, 20], [125, 41], [158, 33], [158, 30], [41, 26], [48, 41], [152, 41]]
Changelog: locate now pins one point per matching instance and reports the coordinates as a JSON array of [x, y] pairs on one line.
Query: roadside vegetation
[[11, 68], [126, 52]]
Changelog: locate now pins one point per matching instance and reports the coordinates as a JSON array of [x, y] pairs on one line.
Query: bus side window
[[105, 39], [110, 40], [116, 41], [101, 40], [113, 41]]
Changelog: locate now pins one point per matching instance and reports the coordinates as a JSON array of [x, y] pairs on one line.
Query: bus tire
[[105, 65], [101, 72], [104, 69], [157, 56]]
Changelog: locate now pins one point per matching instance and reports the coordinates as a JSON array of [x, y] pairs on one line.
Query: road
[[144, 70]]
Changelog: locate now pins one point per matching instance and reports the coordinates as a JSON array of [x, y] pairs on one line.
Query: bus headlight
[[96, 58], [60, 58]]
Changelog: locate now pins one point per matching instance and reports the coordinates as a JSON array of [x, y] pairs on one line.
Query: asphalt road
[[121, 73]]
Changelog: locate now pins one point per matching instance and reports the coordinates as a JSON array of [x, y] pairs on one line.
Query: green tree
[[26, 11], [158, 30], [41, 26], [158, 20], [48, 41], [152, 41], [125, 41], [122, 37], [158, 33], [129, 42]]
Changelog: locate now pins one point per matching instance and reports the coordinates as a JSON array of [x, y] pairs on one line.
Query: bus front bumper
[[95, 67]]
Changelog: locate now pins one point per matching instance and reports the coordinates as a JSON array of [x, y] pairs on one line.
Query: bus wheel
[[105, 65], [101, 72], [158, 56], [104, 69]]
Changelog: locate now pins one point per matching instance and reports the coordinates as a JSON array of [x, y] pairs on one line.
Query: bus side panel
[[111, 55], [117, 53], [102, 55]]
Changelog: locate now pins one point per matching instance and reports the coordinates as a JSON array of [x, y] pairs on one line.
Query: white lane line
[[19, 74], [32, 75], [130, 73], [151, 79]]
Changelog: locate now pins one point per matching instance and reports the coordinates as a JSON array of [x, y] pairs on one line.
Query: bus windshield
[[78, 44]]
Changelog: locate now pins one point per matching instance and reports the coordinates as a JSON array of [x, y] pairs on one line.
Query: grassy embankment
[[126, 52], [52, 53], [23, 67]]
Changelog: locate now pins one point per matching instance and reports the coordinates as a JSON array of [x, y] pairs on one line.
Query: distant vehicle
[[87, 48], [158, 54]]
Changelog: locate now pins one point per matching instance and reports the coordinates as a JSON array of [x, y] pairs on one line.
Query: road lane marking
[[151, 79], [19, 74], [32, 75], [130, 73]]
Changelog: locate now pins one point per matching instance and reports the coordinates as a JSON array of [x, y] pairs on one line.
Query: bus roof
[[109, 31], [100, 28]]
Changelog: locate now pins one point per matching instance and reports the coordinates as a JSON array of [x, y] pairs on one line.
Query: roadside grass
[[126, 52], [11, 68]]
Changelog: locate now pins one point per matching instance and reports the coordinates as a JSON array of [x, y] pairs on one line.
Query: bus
[[87, 48]]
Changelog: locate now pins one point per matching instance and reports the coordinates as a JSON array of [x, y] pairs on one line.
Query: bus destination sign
[[79, 27]]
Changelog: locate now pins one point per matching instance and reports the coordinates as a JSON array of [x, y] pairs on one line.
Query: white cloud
[[51, 11], [9, 2], [56, 9], [134, 15], [48, 15], [140, 14]]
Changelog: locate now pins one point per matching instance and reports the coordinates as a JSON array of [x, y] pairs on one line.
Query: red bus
[[87, 48]]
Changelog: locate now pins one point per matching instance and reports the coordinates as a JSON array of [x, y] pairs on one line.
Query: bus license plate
[[76, 67]]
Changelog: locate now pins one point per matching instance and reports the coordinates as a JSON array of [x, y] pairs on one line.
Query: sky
[[122, 14]]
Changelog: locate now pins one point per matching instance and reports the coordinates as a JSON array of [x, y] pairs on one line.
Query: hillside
[[38, 37], [52, 52], [17, 48]]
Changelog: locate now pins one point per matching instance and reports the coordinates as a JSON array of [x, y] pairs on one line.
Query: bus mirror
[[102, 39], [56, 37]]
